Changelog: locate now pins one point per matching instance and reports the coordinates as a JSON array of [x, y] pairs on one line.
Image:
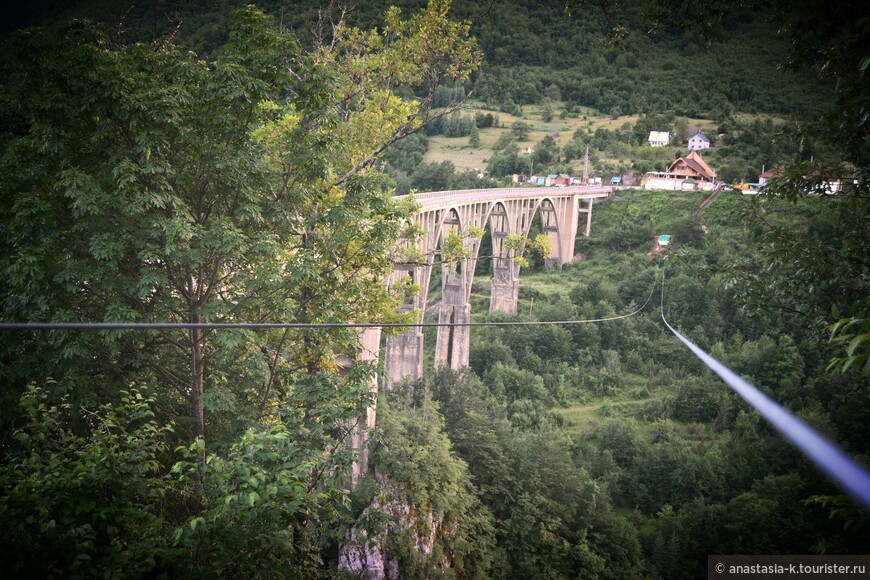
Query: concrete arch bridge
[[468, 213], [447, 216]]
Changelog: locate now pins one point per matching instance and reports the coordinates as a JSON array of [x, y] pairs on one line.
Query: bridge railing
[[434, 197]]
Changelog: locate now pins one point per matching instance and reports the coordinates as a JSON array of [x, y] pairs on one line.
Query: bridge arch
[[448, 219], [553, 216]]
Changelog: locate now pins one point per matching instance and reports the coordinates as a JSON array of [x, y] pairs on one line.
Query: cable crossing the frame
[[43, 326], [828, 457]]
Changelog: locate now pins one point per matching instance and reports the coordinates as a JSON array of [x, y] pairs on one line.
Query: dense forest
[[544, 64], [199, 162]]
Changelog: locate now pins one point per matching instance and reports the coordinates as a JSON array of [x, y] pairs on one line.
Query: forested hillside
[[529, 46], [562, 76], [199, 162], [612, 437]]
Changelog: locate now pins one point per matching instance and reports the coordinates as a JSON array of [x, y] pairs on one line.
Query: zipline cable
[[828, 457], [40, 326]]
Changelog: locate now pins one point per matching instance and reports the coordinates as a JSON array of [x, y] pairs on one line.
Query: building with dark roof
[[699, 141]]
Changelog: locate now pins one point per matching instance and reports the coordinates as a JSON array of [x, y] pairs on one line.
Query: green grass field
[[586, 120]]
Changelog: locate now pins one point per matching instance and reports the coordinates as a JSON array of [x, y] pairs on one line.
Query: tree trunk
[[197, 388], [197, 379]]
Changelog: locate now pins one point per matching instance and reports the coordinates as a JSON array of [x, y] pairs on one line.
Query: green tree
[[697, 400], [407, 154], [623, 440], [171, 189], [546, 151], [484, 121], [433, 176], [146, 184], [474, 138], [414, 461], [553, 93], [468, 179], [478, 428], [520, 130], [552, 528], [547, 112]]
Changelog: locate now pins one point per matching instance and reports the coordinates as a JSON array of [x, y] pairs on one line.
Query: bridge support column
[[453, 342], [370, 340], [505, 290], [568, 225], [404, 357], [505, 280], [588, 212]]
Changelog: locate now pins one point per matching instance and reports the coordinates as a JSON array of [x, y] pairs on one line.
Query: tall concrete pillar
[[453, 342], [505, 281], [404, 352], [404, 356], [370, 339], [588, 213], [552, 224], [568, 225], [505, 288]]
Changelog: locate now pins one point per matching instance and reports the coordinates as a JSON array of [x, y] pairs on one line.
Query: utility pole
[[586, 166]]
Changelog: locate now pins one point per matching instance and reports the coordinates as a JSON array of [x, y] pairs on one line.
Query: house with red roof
[[689, 173], [769, 174], [692, 166]]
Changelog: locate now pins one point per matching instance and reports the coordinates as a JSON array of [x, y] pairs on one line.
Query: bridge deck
[[441, 199]]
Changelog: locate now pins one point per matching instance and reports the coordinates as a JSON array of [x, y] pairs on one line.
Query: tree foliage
[[146, 184], [81, 506]]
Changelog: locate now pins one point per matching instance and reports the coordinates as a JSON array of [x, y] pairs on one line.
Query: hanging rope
[[41, 326], [829, 458]]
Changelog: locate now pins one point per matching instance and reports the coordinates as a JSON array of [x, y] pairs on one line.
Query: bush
[[696, 401], [76, 505]]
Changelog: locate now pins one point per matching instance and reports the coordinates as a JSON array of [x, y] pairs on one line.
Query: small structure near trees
[[699, 141], [688, 172], [659, 138]]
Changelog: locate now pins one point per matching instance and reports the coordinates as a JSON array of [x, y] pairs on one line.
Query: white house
[[699, 141], [659, 138]]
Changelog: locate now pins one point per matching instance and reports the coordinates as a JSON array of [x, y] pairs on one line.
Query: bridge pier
[[454, 342], [505, 290], [588, 212], [370, 340], [562, 241], [505, 285], [404, 356]]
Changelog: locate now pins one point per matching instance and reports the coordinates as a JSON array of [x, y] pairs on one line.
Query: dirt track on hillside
[[699, 211]]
